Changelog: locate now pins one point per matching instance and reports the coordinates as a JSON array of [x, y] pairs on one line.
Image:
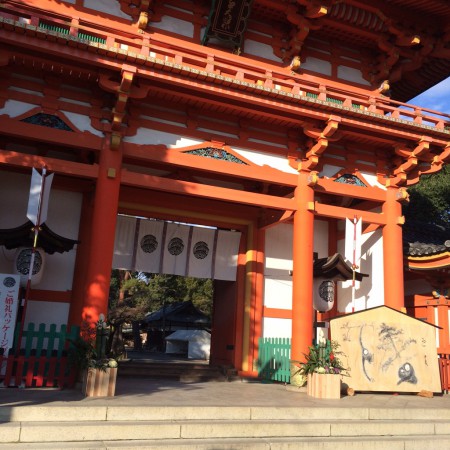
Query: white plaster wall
[[83, 123], [278, 264], [278, 247], [47, 312], [63, 218], [321, 238], [329, 171], [351, 74], [372, 180], [175, 26], [370, 292], [317, 65], [13, 108], [436, 322], [278, 292], [262, 159], [148, 136], [259, 49], [279, 328], [278, 250], [107, 7]]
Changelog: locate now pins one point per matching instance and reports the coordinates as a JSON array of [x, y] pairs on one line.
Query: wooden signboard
[[387, 351]]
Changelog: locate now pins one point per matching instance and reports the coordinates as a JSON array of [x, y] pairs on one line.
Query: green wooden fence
[[274, 359], [49, 340], [42, 360]]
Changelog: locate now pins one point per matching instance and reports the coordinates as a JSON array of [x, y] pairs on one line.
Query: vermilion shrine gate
[[277, 120]]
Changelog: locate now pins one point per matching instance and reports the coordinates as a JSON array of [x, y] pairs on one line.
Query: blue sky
[[436, 98]]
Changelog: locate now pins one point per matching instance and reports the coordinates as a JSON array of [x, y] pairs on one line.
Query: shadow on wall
[[370, 291]]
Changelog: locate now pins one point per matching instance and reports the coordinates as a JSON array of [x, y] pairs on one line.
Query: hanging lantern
[[22, 263], [324, 293]]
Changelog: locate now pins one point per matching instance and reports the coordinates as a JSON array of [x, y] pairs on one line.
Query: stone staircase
[[184, 371], [219, 428]]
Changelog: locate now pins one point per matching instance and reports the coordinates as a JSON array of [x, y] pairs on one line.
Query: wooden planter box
[[324, 385], [100, 383]]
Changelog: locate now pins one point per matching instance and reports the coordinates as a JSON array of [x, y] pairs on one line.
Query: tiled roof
[[425, 240], [335, 267], [23, 236]]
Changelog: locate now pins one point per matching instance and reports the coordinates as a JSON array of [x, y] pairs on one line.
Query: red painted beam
[[206, 191], [15, 159]]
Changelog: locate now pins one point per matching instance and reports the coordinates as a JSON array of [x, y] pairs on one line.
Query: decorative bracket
[[139, 10], [143, 15], [402, 50], [316, 9], [414, 163], [322, 138], [302, 28], [123, 90]]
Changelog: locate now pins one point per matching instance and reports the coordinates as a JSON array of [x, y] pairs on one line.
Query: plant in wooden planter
[[323, 369], [88, 354]]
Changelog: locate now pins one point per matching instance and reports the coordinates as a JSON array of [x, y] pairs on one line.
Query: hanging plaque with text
[[9, 302]]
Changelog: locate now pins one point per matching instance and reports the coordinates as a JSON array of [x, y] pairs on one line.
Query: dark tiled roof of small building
[[335, 267], [425, 240], [23, 236]]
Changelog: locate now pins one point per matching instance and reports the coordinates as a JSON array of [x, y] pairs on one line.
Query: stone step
[[334, 411], [275, 443], [112, 430], [186, 372]]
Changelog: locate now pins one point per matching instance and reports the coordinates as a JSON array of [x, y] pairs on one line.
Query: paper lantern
[[324, 293], [22, 263]]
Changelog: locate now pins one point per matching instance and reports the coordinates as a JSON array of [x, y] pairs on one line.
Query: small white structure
[[195, 343]]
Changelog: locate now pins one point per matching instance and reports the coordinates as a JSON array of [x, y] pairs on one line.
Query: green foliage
[[114, 288], [145, 293], [89, 349], [323, 358], [430, 199], [80, 353]]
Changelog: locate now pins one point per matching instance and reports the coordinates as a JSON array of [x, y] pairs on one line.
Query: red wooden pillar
[[104, 218], [443, 323], [302, 277], [240, 303], [394, 295], [81, 263], [256, 315]]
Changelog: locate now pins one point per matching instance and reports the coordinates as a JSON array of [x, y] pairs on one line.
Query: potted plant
[[88, 355], [323, 370]]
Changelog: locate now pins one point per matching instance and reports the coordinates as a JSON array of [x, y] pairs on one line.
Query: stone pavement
[[151, 392]]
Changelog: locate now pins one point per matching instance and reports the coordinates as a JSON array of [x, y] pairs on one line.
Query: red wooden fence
[[36, 371], [42, 360]]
